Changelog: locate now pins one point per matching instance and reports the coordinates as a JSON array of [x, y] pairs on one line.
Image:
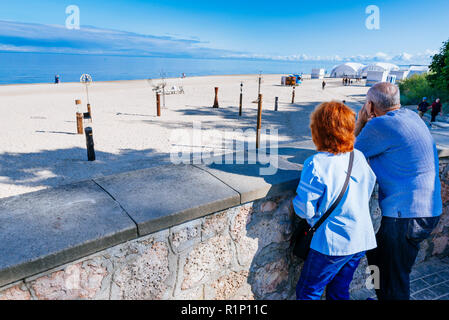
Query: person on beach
[[404, 157], [436, 109], [57, 79], [423, 107], [341, 241], [323, 84]]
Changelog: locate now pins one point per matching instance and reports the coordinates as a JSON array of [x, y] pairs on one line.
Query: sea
[[25, 68]]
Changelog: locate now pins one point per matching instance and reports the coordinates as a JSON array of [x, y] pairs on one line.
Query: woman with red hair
[[340, 242]]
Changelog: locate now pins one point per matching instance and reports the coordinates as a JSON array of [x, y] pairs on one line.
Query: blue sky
[[409, 30]]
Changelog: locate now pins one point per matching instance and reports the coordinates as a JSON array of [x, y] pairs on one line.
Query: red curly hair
[[333, 124]]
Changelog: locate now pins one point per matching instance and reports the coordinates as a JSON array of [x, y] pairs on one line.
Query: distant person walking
[[437, 107], [57, 78], [404, 157], [423, 107], [323, 84]]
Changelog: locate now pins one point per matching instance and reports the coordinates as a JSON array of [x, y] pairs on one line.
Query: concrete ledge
[[161, 197], [44, 229], [254, 182]]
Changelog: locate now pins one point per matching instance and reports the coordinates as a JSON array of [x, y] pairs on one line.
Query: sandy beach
[[39, 147]]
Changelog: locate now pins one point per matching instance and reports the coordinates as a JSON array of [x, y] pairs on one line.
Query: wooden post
[[293, 95], [79, 122], [79, 118], [216, 98], [259, 121], [276, 100], [90, 144], [241, 100], [89, 110], [158, 104]]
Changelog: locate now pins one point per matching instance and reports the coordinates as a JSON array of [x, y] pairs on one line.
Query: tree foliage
[[439, 69], [415, 88]]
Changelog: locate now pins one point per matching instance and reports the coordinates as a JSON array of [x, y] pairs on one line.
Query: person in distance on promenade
[[341, 241], [423, 107], [403, 155], [436, 109]]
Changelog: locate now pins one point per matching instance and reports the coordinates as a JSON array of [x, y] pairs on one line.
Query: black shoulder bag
[[302, 237]]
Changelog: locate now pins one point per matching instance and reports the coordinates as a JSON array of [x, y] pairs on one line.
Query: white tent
[[374, 77], [348, 69], [379, 67], [417, 70], [317, 74], [400, 75]]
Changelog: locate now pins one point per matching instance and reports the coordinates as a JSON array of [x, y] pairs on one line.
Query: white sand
[[39, 147]]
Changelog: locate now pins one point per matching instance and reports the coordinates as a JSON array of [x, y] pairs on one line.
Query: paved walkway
[[429, 281]]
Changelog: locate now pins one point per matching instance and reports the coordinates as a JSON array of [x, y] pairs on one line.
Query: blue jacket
[[349, 229], [404, 157]]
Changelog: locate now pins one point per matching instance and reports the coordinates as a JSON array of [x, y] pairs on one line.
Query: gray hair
[[384, 96]]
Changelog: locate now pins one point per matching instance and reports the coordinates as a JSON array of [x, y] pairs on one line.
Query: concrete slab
[[48, 228], [253, 183], [441, 124], [162, 197]]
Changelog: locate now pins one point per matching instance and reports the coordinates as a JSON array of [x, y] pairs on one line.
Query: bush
[[415, 88], [445, 108]]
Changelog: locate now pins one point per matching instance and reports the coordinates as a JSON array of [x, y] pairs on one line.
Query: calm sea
[[41, 68]]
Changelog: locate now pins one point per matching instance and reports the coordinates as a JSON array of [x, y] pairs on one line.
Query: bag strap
[[342, 193]]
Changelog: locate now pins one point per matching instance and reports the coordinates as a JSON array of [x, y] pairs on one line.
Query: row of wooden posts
[[80, 117], [216, 105]]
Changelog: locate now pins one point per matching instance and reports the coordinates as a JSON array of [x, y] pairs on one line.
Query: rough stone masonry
[[240, 253]]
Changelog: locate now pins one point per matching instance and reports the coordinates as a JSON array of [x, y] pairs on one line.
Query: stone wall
[[239, 253]]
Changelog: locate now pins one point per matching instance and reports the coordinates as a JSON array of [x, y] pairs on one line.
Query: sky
[[410, 31]]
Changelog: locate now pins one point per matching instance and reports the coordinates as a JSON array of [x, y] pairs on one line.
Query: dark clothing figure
[[397, 248], [422, 108], [324, 84], [436, 109], [57, 79]]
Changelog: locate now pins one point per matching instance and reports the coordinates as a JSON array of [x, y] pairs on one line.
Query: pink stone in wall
[[440, 244], [227, 286], [15, 293], [443, 223], [206, 259], [444, 192], [268, 278], [268, 206], [74, 282], [145, 277], [238, 225], [214, 224]]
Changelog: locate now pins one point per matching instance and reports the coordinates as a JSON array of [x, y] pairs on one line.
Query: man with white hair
[[403, 155], [436, 109]]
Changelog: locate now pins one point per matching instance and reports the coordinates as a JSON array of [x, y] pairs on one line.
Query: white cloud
[[15, 36], [26, 37]]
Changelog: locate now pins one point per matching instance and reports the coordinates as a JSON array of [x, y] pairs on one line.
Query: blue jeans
[[320, 270]]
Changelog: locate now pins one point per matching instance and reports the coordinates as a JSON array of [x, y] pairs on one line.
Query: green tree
[[439, 75]]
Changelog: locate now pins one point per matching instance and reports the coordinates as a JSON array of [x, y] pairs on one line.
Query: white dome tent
[[417, 70], [349, 69], [378, 67]]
